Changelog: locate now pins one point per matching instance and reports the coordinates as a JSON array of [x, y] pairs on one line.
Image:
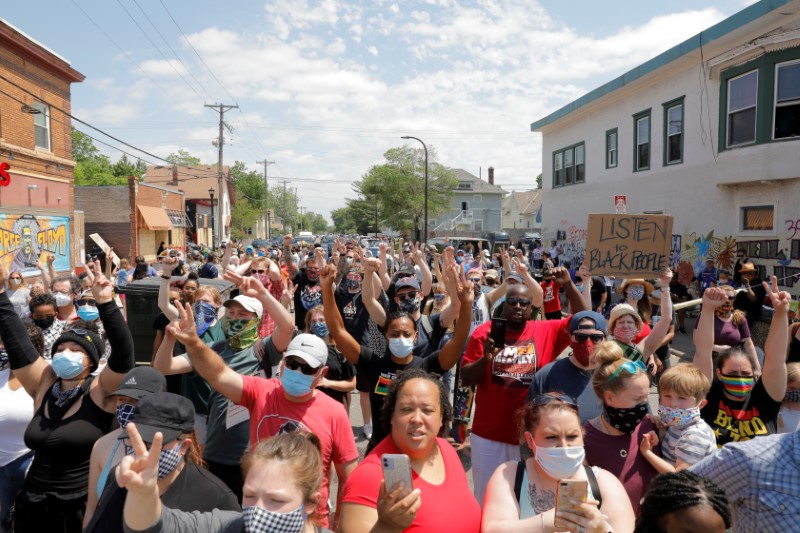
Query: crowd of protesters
[[240, 422]]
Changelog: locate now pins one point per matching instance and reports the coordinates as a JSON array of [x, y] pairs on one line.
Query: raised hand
[[168, 265], [252, 287], [3, 277], [780, 299], [561, 276], [327, 276], [184, 329], [666, 277], [139, 472], [102, 288], [584, 274], [714, 297], [464, 287], [51, 259], [372, 264]]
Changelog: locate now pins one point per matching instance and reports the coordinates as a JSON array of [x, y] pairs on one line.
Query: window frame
[[609, 133], [756, 71], [43, 110], [477, 198], [667, 106], [560, 180], [641, 115], [775, 105], [756, 232]]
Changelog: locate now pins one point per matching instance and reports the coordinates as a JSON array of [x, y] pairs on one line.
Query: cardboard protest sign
[[629, 246]]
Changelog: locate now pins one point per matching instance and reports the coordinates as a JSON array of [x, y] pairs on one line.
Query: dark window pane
[[787, 121], [674, 148], [643, 135], [675, 119], [580, 173], [789, 82], [742, 91], [742, 127], [643, 156]]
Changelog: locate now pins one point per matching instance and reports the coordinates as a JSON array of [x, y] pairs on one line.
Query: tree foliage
[[94, 168], [183, 158], [539, 181]]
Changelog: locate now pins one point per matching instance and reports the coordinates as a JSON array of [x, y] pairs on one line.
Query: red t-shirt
[[446, 507], [552, 302], [504, 387], [271, 414], [267, 325], [644, 332]]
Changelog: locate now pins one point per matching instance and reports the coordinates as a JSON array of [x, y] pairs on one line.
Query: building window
[[673, 132], [757, 218], [477, 198], [641, 148], [569, 165], [464, 185], [611, 148], [41, 126], [787, 100], [742, 96]]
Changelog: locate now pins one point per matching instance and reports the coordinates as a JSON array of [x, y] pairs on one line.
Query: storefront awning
[[154, 218]]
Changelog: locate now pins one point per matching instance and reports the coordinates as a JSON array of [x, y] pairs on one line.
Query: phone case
[[571, 493], [396, 470]]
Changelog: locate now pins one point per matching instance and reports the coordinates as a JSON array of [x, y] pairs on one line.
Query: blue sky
[[325, 87]]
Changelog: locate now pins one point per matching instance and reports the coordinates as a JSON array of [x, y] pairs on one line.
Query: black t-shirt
[[597, 291], [380, 372], [354, 313], [339, 369], [174, 383], [751, 309], [733, 421], [195, 489], [307, 294]]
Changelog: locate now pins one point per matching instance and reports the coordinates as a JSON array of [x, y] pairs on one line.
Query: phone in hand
[[396, 471], [571, 493], [498, 332]]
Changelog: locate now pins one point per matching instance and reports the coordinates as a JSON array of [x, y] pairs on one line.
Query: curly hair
[[390, 401], [677, 490], [41, 300]]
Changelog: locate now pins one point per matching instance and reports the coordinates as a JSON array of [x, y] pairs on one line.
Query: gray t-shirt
[[196, 522], [563, 376], [690, 443]]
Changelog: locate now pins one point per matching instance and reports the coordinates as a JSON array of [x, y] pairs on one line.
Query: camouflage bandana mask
[[241, 334]]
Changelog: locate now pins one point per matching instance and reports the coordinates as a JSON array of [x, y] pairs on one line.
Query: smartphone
[[498, 332], [396, 471], [571, 493]]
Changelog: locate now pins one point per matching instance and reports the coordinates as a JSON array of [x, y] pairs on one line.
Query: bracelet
[[164, 277], [665, 290]]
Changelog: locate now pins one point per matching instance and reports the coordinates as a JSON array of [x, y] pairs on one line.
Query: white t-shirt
[[16, 412]]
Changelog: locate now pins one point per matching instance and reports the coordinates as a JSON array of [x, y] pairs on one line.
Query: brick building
[[135, 219], [36, 199]]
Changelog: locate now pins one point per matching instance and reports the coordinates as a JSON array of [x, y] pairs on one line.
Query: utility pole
[[302, 215], [266, 163], [285, 213], [220, 108]]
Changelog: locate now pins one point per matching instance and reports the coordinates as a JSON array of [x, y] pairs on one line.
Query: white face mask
[[62, 299], [789, 420], [560, 463], [16, 282]]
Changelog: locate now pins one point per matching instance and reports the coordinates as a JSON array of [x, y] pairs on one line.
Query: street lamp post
[[213, 230], [425, 230]]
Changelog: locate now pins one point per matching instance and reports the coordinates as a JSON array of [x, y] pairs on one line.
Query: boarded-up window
[[758, 218]]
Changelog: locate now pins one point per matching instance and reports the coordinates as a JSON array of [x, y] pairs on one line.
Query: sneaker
[[681, 330], [367, 431]]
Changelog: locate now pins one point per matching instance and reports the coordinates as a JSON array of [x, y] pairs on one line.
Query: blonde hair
[[738, 315], [685, 379], [210, 291], [22, 283], [611, 358], [123, 264]]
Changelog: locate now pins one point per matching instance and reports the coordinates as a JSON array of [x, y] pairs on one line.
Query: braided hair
[[674, 491]]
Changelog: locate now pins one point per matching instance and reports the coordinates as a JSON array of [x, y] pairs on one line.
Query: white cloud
[[163, 69], [372, 50]]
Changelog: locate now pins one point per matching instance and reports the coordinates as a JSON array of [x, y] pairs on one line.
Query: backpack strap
[[593, 485], [518, 479], [427, 327]]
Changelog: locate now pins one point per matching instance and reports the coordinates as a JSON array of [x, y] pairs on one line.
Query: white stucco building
[[708, 131]]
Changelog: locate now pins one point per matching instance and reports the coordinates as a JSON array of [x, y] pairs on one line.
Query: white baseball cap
[[250, 304], [310, 349]]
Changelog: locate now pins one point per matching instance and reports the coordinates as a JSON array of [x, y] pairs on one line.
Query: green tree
[[343, 220], [319, 225], [125, 167], [183, 158], [92, 168], [83, 148], [539, 181], [283, 201]]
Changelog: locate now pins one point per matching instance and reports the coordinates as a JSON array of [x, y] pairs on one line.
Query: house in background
[[196, 182], [476, 207], [708, 131], [522, 210], [37, 215]]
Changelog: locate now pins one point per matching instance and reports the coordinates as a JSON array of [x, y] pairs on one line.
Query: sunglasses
[[595, 337], [475, 280], [407, 296], [14, 278], [294, 364], [85, 301], [631, 367], [544, 399], [490, 282], [254, 271], [521, 301]]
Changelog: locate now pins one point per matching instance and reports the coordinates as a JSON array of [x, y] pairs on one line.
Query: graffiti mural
[[697, 249], [25, 239]]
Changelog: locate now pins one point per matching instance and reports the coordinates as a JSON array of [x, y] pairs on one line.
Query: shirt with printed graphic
[[307, 294], [736, 421], [503, 388], [552, 302]]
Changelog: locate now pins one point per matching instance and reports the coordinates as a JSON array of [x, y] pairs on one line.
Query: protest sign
[[628, 246]]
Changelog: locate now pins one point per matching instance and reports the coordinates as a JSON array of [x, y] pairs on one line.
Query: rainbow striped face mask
[[737, 386]]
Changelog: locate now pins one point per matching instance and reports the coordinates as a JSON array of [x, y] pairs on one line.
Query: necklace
[[623, 452]]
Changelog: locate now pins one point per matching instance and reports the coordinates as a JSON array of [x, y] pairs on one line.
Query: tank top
[[527, 508], [16, 411], [62, 449]]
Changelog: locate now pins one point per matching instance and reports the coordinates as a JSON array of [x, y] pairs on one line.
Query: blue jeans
[[12, 476]]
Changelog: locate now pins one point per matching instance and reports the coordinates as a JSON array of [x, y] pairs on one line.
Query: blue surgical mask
[[88, 313], [320, 329], [67, 364], [295, 383], [401, 346]]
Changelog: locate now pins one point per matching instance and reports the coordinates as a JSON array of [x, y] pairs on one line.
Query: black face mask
[[44, 323], [626, 420]]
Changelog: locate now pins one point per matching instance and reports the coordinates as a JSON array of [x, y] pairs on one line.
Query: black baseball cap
[[164, 412], [140, 382]]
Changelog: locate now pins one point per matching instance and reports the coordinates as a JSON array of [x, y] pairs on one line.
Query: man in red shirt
[[552, 302], [503, 375]]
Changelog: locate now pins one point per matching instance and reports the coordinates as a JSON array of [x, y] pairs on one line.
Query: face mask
[[626, 420], [401, 346], [625, 333], [738, 387], [409, 306], [204, 315], [263, 278], [724, 311], [560, 463], [636, 292], [439, 296], [260, 520], [354, 285], [68, 364], [88, 313], [295, 383], [168, 461], [789, 420], [3, 359], [459, 259], [124, 412], [320, 329], [63, 300], [582, 350], [348, 260], [676, 416], [44, 323], [15, 282], [792, 396], [240, 333]]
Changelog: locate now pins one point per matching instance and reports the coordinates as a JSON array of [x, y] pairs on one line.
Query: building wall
[[106, 212], [486, 209]]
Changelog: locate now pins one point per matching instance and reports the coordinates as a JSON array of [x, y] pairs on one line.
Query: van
[[306, 235], [497, 239]]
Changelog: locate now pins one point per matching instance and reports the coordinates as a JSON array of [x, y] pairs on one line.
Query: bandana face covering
[[204, 315], [724, 311], [241, 334], [737, 386], [124, 413], [625, 333], [260, 520], [636, 292], [3, 359], [410, 306], [675, 416], [583, 351], [626, 420], [792, 396]]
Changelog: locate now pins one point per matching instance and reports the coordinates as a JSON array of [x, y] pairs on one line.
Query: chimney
[[174, 176], [491, 175]]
